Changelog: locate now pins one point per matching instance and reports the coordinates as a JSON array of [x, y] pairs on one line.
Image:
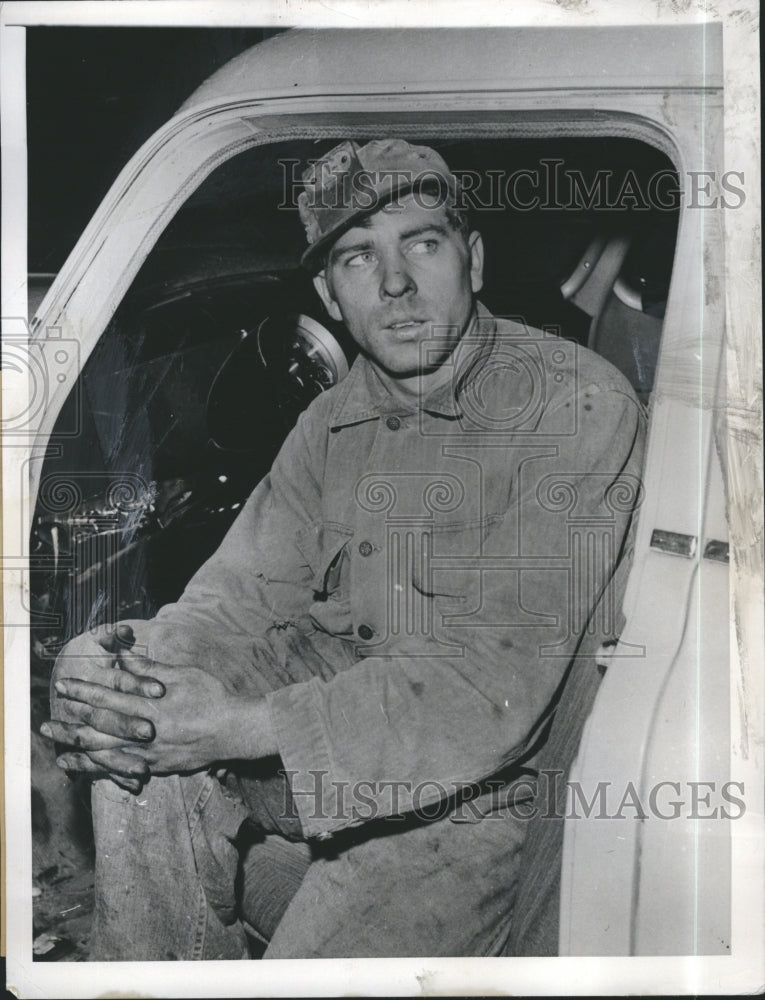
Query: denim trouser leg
[[433, 889], [166, 869]]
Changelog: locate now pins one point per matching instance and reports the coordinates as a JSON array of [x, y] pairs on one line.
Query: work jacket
[[410, 583], [410, 588]]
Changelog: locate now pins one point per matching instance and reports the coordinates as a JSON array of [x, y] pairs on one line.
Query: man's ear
[[475, 242], [321, 285]]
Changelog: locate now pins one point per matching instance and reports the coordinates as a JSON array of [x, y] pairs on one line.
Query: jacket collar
[[363, 395]]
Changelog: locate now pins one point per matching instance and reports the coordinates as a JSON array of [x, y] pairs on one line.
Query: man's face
[[400, 278]]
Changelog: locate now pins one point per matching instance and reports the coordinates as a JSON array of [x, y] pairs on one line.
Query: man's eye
[[363, 259], [424, 246]]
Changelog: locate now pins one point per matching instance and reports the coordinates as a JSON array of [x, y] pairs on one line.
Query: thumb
[[121, 639]]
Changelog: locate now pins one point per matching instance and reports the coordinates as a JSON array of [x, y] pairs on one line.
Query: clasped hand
[[128, 716]]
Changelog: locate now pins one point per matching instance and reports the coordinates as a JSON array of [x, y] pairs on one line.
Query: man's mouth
[[405, 324]]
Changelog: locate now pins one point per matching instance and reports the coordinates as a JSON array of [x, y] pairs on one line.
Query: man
[[329, 739]]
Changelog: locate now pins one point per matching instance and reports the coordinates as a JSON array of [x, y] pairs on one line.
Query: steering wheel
[[269, 378]]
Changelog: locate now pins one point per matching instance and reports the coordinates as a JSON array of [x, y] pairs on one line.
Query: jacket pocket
[[324, 547], [450, 569]]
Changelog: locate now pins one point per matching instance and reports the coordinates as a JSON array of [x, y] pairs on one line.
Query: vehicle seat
[[621, 330]]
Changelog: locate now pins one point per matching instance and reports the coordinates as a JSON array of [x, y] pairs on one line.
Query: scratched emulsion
[[744, 403]]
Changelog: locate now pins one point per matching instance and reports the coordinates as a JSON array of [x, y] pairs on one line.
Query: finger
[[120, 680], [101, 696], [79, 764], [128, 727], [138, 665], [129, 784], [122, 637], [124, 762], [84, 737], [119, 764]]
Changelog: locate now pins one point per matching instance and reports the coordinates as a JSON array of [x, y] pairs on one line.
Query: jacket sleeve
[[402, 731], [241, 611]]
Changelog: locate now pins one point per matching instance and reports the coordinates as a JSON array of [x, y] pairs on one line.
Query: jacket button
[[365, 548], [365, 632], [393, 423]]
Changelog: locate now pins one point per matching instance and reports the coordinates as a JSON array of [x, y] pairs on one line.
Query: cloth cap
[[351, 181]]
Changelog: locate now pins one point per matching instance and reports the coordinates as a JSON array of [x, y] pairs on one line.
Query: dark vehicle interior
[[221, 342]]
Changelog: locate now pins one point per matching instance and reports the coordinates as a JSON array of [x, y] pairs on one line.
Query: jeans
[[180, 874]]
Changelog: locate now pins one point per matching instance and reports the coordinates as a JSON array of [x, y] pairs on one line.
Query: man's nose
[[395, 279]]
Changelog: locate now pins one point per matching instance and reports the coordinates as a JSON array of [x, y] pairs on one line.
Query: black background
[[93, 96]]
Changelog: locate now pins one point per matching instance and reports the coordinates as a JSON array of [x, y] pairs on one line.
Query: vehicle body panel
[[422, 60]]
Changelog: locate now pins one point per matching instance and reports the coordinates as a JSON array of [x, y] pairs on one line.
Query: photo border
[[741, 972]]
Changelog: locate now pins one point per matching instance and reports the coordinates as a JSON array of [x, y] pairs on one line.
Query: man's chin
[[408, 374]]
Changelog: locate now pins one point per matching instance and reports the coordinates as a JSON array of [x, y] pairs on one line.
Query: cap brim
[[314, 251]]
